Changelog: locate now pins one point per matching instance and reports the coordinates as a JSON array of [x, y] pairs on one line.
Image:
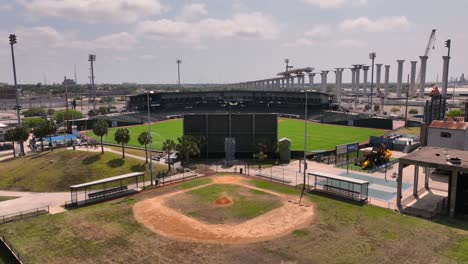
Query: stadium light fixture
[[372, 56], [17, 106], [178, 61]]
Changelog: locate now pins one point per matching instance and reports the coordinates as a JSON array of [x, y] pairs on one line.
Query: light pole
[[17, 106], [372, 56], [305, 146], [92, 59], [151, 139], [448, 43], [178, 61]]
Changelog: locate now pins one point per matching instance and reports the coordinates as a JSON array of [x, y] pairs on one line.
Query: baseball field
[[218, 220], [320, 136]]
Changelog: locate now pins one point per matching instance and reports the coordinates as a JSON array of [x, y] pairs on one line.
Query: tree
[[92, 113], [395, 110], [260, 156], [187, 146], [32, 122], [455, 113], [21, 134], [376, 108], [43, 130], [10, 136], [168, 146], [61, 116], [145, 139], [413, 111], [284, 149], [34, 111], [122, 136], [102, 110], [100, 129]]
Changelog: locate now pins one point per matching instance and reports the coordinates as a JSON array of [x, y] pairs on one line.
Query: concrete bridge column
[[422, 76], [364, 84], [377, 76], [311, 80], [387, 78], [413, 78], [399, 77]]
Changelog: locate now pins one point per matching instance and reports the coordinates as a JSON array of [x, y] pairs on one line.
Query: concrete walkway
[[30, 200]]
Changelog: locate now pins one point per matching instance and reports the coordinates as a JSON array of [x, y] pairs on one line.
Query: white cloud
[[193, 11], [382, 24], [93, 11], [300, 42], [40, 37], [5, 7], [319, 31], [245, 25], [326, 4], [350, 43]]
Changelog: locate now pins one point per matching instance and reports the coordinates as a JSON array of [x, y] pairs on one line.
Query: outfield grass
[[170, 129], [341, 233], [321, 136], [57, 170]]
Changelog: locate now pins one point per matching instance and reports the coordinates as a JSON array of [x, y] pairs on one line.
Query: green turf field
[[171, 129], [321, 136]]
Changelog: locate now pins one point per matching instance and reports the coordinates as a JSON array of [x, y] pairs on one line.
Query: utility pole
[[305, 147], [17, 106], [66, 105], [74, 70], [178, 61], [372, 57], [406, 103], [151, 142], [92, 59]]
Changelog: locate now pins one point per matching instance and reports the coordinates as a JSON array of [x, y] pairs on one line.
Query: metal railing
[[14, 251], [24, 214]]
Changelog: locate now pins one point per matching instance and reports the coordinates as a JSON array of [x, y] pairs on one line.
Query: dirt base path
[[276, 223]]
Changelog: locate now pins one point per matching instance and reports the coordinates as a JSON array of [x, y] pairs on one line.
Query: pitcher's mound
[[223, 201]]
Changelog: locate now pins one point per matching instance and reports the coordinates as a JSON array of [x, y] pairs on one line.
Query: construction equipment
[[430, 44], [379, 155]]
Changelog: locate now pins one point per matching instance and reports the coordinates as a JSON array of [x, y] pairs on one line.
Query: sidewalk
[[30, 200]]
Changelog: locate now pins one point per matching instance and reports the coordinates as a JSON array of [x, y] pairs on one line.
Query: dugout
[[345, 187], [105, 189]]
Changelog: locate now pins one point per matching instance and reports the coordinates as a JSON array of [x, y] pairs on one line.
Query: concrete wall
[[458, 139]]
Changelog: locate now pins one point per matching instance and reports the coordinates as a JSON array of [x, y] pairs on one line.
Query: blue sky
[[222, 41]]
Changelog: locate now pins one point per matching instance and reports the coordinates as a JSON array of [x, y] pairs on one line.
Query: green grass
[[321, 136], [340, 233], [247, 203], [57, 170], [6, 198], [194, 183], [170, 129]]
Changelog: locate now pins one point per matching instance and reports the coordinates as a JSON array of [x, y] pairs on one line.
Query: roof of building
[[337, 177], [438, 158], [106, 180], [451, 125]]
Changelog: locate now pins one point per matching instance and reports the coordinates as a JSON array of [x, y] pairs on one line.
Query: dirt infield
[[276, 223]]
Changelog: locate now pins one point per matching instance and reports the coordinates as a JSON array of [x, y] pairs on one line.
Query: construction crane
[[430, 45]]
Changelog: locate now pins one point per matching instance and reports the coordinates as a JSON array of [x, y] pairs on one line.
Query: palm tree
[[100, 128], [144, 139], [187, 146], [168, 146], [122, 136], [10, 136], [260, 156], [20, 134], [283, 149]]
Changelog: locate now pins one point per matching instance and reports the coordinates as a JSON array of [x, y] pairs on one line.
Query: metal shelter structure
[[345, 187], [108, 188]]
